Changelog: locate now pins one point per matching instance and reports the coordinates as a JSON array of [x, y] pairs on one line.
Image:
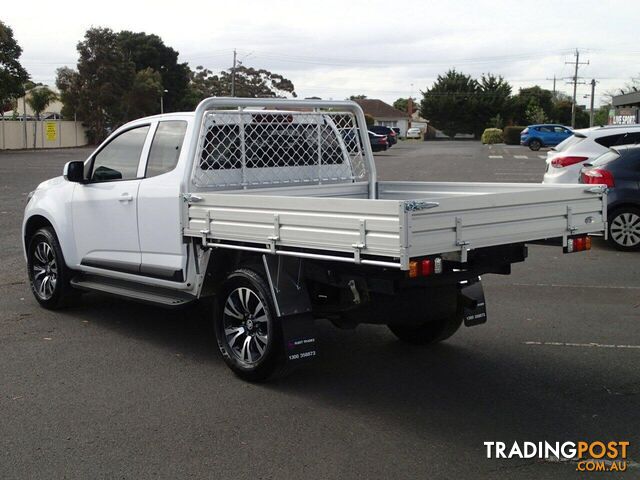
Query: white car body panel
[[588, 148]]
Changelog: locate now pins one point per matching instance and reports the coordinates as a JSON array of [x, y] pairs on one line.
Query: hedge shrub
[[511, 135], [491, 135]]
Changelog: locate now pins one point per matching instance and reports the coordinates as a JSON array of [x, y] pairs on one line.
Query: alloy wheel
[[246, 326], [44, 269], [625, 229]]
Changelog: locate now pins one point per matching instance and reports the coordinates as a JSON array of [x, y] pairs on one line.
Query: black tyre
[[427, 333], [49, 276], [624, 229], [248, 332], [535, 144]]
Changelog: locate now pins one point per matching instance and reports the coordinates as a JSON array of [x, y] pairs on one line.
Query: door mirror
[[74, 171]]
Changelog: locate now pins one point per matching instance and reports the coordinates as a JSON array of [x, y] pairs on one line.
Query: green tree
[[526, 97], [12, 75], [106, 76], [492, 101], [450, 104], [402, 104], [39, 99], [535, 114], [357, 97], [69, 84], [144, 95], [257, 83], [601, 115], [249, 82], [148, 51]]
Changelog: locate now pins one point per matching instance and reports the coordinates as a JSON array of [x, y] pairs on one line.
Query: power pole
[[554, 85], [233, 75], [593, 91], [576, 64]]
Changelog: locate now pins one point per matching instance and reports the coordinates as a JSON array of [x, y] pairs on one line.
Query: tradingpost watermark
[[594, 456]]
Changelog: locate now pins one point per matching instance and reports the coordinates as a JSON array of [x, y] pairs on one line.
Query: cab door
[[163, 253], [105, 209]]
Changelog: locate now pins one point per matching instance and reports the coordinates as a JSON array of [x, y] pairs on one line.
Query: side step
[[163, 297]]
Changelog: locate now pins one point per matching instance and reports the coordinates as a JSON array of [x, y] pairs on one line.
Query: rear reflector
[[560, 162], [578, 244]]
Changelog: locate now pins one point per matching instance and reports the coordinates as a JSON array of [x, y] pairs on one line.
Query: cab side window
[[166, 147], [119, 159]]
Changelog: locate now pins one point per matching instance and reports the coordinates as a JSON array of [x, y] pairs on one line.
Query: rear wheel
[[48, 273], [427, 333], [624, 229], [535, 144], [249, 333]]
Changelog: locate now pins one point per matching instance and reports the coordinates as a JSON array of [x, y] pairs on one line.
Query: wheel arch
[[32, 225], [614, 207]]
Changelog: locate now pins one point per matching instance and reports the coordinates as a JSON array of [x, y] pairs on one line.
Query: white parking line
[[520, 156], [584, 345], [543, 157], [496, 156], [568, 285]]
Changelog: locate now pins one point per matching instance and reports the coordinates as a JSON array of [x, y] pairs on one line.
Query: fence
[[48, 134]]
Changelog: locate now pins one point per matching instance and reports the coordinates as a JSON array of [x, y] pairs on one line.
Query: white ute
[[272, 209]]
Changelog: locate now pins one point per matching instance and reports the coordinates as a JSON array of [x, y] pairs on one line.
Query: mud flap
[[472, 304], [293, 307], [299, 338]]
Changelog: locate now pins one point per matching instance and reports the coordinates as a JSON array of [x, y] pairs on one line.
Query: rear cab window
[[166, 147]]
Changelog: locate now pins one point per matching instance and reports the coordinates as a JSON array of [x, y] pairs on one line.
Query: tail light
[[425, 267], [560, 162], [578, 244], [597, 176], [383, 140]]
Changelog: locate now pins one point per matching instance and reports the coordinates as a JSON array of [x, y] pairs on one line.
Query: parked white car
[[565, 161], [414, 132]]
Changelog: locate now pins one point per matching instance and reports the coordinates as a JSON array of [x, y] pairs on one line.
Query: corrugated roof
[[379, 109]]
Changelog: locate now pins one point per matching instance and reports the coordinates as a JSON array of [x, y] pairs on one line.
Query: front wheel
[[248, 332], [48, 273], [624, 229], [427, 333]]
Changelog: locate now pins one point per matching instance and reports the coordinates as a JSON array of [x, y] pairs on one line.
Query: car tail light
[[560, 162], [597, 176], [383, 140], [425, 267], [578, 244]]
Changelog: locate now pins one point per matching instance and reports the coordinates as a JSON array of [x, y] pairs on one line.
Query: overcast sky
[[333, 49]]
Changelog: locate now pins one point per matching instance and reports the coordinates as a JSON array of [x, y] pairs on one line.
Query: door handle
[[125, 197]]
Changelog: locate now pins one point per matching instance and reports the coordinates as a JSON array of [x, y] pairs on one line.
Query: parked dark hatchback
[[619, 170], [379, 143], [392, 137]]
